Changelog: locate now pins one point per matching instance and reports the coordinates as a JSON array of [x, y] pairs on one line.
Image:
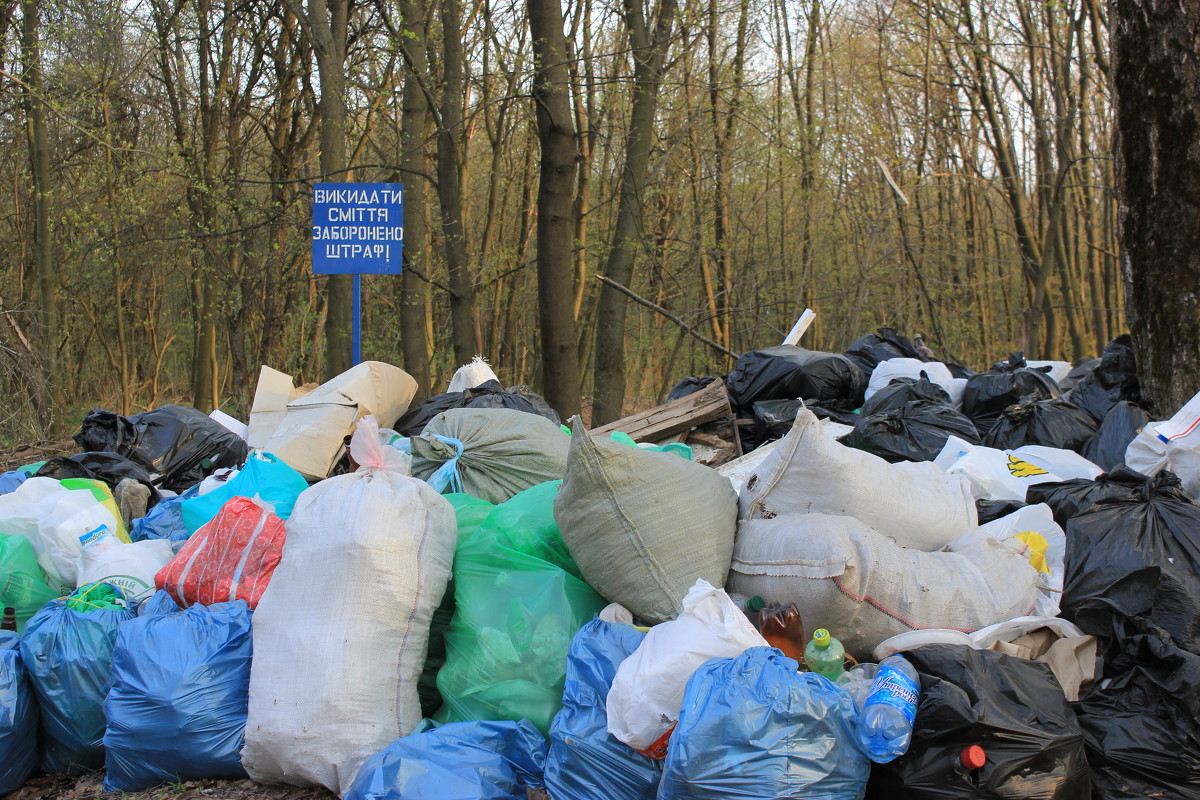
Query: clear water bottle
[[886, 724]]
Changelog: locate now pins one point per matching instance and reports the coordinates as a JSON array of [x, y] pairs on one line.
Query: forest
[[943, 167]]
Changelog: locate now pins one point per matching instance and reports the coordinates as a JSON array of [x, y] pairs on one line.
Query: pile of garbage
[[911, 580]]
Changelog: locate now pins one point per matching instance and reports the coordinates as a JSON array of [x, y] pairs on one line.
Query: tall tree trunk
[[649, 56], [1156, 96], [555, 227], [49, 396], [450, 190]]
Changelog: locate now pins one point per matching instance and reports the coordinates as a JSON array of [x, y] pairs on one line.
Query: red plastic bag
[[231, 557]]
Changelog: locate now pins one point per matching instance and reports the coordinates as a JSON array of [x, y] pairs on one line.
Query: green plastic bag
[[518, 604], [22, 583], [470, 512]]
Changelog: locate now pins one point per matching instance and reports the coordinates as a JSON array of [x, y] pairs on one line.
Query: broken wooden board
[[711, 402]]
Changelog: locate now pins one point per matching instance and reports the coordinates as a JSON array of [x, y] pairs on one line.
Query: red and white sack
[[231, 557]]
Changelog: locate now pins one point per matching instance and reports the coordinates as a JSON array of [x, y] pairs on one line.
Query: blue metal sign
[[357, 228]]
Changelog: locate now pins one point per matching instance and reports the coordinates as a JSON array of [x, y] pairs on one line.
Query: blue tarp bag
[[753, 726], [67, 650], [585, 761], [165, 520], [177, 708], [455, 761], [263, 476], [18, 717]]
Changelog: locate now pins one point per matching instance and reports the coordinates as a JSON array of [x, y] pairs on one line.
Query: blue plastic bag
[[753, 726], [9, 481], [455, 761], [18, 717], [68, 654], [263, 476], [177, 708], [585, 761], [165, 520]]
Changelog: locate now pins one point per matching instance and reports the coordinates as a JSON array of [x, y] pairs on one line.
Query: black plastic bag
[[989, 393], [1081, 369], [960, 370], [489, 394], [1050, 423], [108, 467], [1140, 553], [690, 386], [1121, 424], [1142, 725], [1114, 379], [178, 445], [884, 344], [917, 431], [900, 391], [1013, 708], [1071, 498], [991, 510], [787, 372], [774, 418]]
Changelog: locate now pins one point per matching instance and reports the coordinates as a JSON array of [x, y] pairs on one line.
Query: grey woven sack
[[643, 526], [504, 451]]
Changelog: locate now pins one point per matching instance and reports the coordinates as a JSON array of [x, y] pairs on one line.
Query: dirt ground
[[90, 787]]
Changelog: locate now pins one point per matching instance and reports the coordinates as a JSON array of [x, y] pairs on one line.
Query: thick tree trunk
[[649, 55], [555, 203], [1156, 95]]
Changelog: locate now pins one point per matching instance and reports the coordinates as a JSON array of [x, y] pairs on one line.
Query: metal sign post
[[357, 229]]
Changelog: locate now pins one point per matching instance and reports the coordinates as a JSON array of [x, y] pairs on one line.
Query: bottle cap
[[755, 604], [973, 757], [821, 637]]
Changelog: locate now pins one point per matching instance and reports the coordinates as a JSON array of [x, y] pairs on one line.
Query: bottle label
[[893, 688]]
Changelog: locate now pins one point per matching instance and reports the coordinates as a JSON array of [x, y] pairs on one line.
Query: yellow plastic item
[[103, 495], [1037, 549]]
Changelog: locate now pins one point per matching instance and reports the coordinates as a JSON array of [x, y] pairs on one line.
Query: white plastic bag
[[472, 374], [647, 691], [129, 567], [913, 503], [1147, 453], [1040, 539], [53, 518], [937, 372], [1006, 474], [340, 633]]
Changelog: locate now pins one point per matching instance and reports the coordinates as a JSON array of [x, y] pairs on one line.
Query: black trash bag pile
[[1142, 723], [884, 344], [689, 386], [988, 393], [901, 391], [917, 431], [1140, 554], [1051, 423], [1013, 708], [1081, 369], [1071, 498], [774, 418], [787, 372], [489, 394], [177, 445], [107, 467], [1114, 379], [1121, 424]]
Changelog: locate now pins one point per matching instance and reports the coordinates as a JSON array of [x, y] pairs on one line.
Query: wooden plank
[[711, 402]]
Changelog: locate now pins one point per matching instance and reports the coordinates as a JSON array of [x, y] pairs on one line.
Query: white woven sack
[[937, 372], [647, 691], [341, 631], [1033, 531], [846, 577], [913, 503]]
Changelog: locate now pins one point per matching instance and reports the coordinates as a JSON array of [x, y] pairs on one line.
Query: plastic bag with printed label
[[1008, 474], [129, 566], [643, 703], [753, 726]]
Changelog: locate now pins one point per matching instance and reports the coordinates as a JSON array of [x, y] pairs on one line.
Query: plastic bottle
[[9, 621], [782, 627], [825, 655], [750, 606], [885, 727]]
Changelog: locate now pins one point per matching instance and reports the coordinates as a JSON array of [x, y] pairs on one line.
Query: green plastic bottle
[[825, 655]]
